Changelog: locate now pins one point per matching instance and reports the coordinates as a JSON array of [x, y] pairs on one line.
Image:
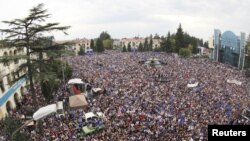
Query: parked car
[[95, 123], [90, 115]]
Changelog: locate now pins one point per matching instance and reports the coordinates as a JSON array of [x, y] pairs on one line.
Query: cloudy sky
[[129, 18]]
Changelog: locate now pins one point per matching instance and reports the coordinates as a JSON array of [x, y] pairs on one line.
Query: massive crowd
[[139, 108]]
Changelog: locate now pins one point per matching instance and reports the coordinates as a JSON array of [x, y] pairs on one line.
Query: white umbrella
[[75, 81], [44, 111]]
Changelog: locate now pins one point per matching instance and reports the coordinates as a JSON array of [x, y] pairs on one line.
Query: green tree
[[190, 47], [193, 41], [179, 39], [163, 45], [99, 45], [9, 125], [169, 47], [129, 47], [185, 52], [145, 45], [104, 41], [124, 49], [28, 33], [140, 48], [107, 44], [104, 36], [92, 45], [157, 36], [50, 85], [81, 52], [205, 44], [150, 46], [166, 44]]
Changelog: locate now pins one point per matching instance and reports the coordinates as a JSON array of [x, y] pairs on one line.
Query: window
[[9, 79], [5, 63], [2, 85], [18, 74], [13, 75], [16, 60]]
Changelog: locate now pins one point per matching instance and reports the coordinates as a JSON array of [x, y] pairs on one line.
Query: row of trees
[[9, 125], [147, 46], [180, 42], [104, 41]]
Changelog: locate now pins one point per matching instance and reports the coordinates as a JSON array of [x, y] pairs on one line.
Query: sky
[[130, 18]]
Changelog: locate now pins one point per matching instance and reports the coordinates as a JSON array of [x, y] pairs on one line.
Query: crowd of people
[[140, 108]]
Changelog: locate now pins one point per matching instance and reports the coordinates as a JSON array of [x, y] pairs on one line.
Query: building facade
[[135, 42], [76, 44], [11, 91], [228, 48]]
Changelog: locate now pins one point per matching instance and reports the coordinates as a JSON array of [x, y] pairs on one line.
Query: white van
[[59, 109]]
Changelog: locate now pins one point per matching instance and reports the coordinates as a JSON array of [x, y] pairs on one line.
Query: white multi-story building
[[76, 44], [135, 42], [11, 91]]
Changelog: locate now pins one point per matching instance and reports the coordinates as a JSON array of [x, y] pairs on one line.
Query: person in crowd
[[139, 108]]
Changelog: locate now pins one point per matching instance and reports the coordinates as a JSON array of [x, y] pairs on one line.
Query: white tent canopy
[[234, 81], [78, 101], [75, 81], [44, 111], [192, 85]]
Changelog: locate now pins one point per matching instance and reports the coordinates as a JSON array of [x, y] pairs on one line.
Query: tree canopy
[[31, 33], [107, 44], [129, 47], [9, 125], [104, 36], [92, 45], [99, 45], [179, 38]]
